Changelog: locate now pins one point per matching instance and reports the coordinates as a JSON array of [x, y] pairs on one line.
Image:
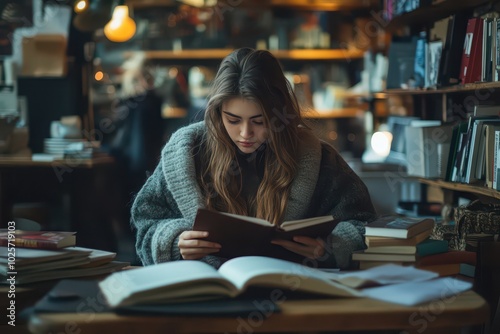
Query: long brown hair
[[254, 75]]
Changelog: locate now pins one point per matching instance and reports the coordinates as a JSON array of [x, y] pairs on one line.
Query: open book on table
[[242, 235], [194, 280]]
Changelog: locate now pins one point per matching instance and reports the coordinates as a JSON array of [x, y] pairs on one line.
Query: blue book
[[430, 246]]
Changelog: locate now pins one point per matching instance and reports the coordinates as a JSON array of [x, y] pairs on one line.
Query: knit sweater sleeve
[[158, 223]]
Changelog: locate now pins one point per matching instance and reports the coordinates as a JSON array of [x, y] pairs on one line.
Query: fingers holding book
[[192, 247], [308, 247]]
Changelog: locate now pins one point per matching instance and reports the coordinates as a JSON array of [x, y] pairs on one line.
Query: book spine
[[495, 160], [29, 243]]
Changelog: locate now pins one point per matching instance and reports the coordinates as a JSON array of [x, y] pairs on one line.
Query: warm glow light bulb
[[80, 6], [98, 75], [381, 143], [122, 27]]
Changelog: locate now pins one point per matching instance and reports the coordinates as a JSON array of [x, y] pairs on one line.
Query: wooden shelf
[[334, 113], [433, 12], [306, 54], [463, 187], [329, 5], [446, 90]]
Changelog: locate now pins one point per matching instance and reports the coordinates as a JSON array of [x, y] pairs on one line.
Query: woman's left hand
[[305, 246]]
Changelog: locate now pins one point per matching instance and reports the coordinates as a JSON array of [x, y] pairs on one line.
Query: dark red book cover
[[471, 65], [37, 239]]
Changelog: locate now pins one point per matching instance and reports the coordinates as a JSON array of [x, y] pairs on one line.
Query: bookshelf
[[433, 12], [218, 54], [468, 188], [450, 104]]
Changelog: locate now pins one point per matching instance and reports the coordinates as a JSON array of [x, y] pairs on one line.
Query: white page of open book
[[164, 281], [258, 270]]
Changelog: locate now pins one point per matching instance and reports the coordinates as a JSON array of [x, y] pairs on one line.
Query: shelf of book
[[298, 4], [445, 90], [333, 113], [297, 54], [431, 13], [463, 187]]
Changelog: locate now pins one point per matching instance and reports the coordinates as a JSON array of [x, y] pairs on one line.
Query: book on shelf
[[427, 148], [38, 239], [432, 59], [496, 162], [426, 247], [471, 65], [449, 67], [490, 152], [196, 280], [385, 241], [241, 235], [398, 227]]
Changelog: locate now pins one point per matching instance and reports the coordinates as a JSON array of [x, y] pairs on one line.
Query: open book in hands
[[189, 280], [241, 235]]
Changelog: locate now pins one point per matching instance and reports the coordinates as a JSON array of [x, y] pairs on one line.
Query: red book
[[37, 239], [448, 258], [471, 65]]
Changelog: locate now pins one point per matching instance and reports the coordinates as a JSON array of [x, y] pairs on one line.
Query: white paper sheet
[[414, 293]]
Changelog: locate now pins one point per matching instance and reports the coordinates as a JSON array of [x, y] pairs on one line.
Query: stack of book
[[400, 240], [34, 256]]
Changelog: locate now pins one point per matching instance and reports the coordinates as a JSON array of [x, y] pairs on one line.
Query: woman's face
[[244, 123]]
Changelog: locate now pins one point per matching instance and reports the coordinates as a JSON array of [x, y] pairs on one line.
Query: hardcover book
[[38, 239], [424, 248], [241, 235], [385, 241], [195, 280], [398, 227]]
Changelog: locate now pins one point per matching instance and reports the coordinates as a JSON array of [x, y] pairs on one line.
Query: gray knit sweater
[[166, 205]]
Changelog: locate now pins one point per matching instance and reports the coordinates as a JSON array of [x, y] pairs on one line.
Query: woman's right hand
[[192, 248]]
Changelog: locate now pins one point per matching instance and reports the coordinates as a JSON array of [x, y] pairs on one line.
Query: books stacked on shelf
[[401, 240], [34, 256], [472, 151]]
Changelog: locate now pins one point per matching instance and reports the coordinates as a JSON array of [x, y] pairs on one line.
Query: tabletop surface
[[296, 315]]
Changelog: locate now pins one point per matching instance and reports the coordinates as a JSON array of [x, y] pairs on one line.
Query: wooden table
[[441, 316]]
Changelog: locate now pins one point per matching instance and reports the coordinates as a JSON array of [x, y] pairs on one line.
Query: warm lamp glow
[[98, 75], [381, 143], [80, 6], [121, 28]]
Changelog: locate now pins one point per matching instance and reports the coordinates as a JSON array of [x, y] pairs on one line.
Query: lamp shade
[[122, 27]]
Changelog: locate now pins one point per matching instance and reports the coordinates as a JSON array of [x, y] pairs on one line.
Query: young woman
[[252, 155]]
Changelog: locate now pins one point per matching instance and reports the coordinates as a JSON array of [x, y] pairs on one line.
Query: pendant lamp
[[122, 27]]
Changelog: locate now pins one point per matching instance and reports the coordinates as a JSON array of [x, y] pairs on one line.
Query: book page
[[164, 282], [264, 271], [295, 224], [248, 219]]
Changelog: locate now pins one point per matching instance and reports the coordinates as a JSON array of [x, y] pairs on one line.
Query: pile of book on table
[[34, 256], [405, 241]]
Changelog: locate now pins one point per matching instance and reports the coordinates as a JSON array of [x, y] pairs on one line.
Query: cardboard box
[[44, 55]]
